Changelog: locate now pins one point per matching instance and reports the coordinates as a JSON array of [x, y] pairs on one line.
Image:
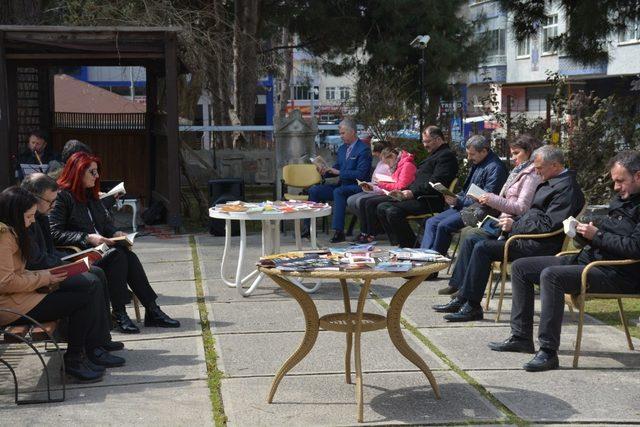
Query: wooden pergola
[[40, 48]]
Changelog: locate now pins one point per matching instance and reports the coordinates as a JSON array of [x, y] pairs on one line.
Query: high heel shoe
[[124, 323]]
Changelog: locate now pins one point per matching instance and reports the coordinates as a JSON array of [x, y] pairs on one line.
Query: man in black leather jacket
[[556, 198], [615, 237], [43, 256], [440, 166]]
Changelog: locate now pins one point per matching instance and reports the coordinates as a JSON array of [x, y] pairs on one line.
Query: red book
[[77, 267]]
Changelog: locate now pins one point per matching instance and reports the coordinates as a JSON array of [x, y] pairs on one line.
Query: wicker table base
[[353, 324]]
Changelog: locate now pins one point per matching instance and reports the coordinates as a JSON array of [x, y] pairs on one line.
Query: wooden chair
[[503, 266], [422, 217], [578, 301], [134, 298]]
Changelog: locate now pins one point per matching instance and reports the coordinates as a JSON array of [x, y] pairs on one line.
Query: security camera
[[420, 42]]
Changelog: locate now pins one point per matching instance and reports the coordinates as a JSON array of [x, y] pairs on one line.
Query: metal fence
[[100, 121]]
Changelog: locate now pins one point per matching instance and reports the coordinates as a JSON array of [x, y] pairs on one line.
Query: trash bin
[[222, 191]]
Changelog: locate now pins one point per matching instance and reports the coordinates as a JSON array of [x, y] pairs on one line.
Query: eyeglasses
[[93, 172], [50, 202]]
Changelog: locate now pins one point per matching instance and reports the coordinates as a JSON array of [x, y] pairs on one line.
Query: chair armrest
[[69, 248], [527, 236], [571, 252], [585, 272]]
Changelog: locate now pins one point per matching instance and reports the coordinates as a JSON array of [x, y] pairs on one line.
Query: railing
[[100, 121]]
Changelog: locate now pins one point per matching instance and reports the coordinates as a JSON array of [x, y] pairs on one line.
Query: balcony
[[569, 67]]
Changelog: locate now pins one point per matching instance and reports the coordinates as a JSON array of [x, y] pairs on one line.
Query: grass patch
[[512, 418], [607, 312], [214, 375]]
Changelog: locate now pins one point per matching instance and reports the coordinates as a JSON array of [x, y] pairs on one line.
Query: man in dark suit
[[616, 236], [353, 163], [556, 198], [440, 166]]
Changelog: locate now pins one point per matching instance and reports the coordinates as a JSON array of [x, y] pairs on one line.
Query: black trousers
[[393, 218], [122, 267], [367, 213], [557, 276], [80, 298]]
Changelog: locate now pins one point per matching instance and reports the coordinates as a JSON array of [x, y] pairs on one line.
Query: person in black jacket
[[43, 256], [37, 152], [556, 198], [616, 236], [420, 198], [79, 219]]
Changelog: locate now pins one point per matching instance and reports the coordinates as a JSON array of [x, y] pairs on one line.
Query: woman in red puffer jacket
[[404, 173]]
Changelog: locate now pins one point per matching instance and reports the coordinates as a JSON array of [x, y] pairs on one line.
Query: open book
[[125, 240], [118, 189], [475, 191], [369, 187], [78, 267], [94, 254], [383, 178], [319, 162], [491, 225], [442, 189], [569, 225]]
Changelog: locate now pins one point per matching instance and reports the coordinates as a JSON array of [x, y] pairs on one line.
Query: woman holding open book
[[514, 199], [37, 293], [80, 219], [403, 170]]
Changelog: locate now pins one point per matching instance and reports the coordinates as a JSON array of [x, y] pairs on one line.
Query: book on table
[[77, 267], [94, 254], [442, 189], [416, 254], [475, 191], [125, 240], [491, 225], [118, 189], [394, 267]]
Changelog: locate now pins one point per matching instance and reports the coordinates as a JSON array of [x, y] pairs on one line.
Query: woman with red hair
[[79, 219]]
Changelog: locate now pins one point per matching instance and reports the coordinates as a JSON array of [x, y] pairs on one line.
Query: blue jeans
[[439, 228], [339, 194]]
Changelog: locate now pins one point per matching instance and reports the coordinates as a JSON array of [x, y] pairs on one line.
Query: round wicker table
[[350, 323]]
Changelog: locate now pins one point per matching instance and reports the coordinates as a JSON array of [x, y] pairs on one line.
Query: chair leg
[[455, 250], [576, 352], [623, 319], [503, 273], [136, 308], [489, 286]]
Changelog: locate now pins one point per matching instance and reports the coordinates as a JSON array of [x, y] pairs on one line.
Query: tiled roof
[[76, 96]]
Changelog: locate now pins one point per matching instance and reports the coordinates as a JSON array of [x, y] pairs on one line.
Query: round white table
[[270, 241]]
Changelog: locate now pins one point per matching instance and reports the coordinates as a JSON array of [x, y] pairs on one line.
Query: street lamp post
[[421, 42]]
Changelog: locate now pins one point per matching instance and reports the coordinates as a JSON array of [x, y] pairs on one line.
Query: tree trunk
[[20, 12], [245, 62], [284, 83]]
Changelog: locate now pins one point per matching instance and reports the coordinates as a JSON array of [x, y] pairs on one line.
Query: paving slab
[[393, 398], [170, 271], [175, 293], [164, 404], [238, 353], [567, 395], [187, 314], [155, 255], [271, 316], [166, 243]]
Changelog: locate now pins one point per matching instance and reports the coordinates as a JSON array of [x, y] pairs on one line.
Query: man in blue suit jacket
[[353, 163]]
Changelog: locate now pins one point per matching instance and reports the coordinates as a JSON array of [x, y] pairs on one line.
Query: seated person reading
[[617, 236], [37, 156]]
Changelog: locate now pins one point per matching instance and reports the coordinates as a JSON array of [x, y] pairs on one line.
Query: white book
[[569, 226], [475, 191], [118, 189]]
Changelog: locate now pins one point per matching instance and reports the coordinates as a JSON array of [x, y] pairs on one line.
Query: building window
[[496, 42], [345, 93], [549, 31], [524, 47], [330, 92], [304, 92], [631, 33]]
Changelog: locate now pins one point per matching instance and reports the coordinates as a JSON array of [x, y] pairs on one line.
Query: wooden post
[[6, 169], [173, 146], [152, 104]]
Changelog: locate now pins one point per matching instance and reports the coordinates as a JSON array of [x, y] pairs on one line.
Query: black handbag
[[473, 214]]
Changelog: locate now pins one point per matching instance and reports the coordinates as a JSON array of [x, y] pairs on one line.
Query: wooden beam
[[6, 170], [83, 56], [88, 30], [152, 108], [173, 146]]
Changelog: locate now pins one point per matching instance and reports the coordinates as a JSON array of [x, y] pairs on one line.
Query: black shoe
[[447, 290], [432, 276], [123, 323], [452, 306], [113, 346], [77, 367], [455, 294], [153, 316], [513, 344], [100, 356], [543, 361], [466, 314], [95, 367], [338, 237]]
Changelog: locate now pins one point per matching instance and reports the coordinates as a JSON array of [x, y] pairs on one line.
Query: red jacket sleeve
[[404, 176]]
